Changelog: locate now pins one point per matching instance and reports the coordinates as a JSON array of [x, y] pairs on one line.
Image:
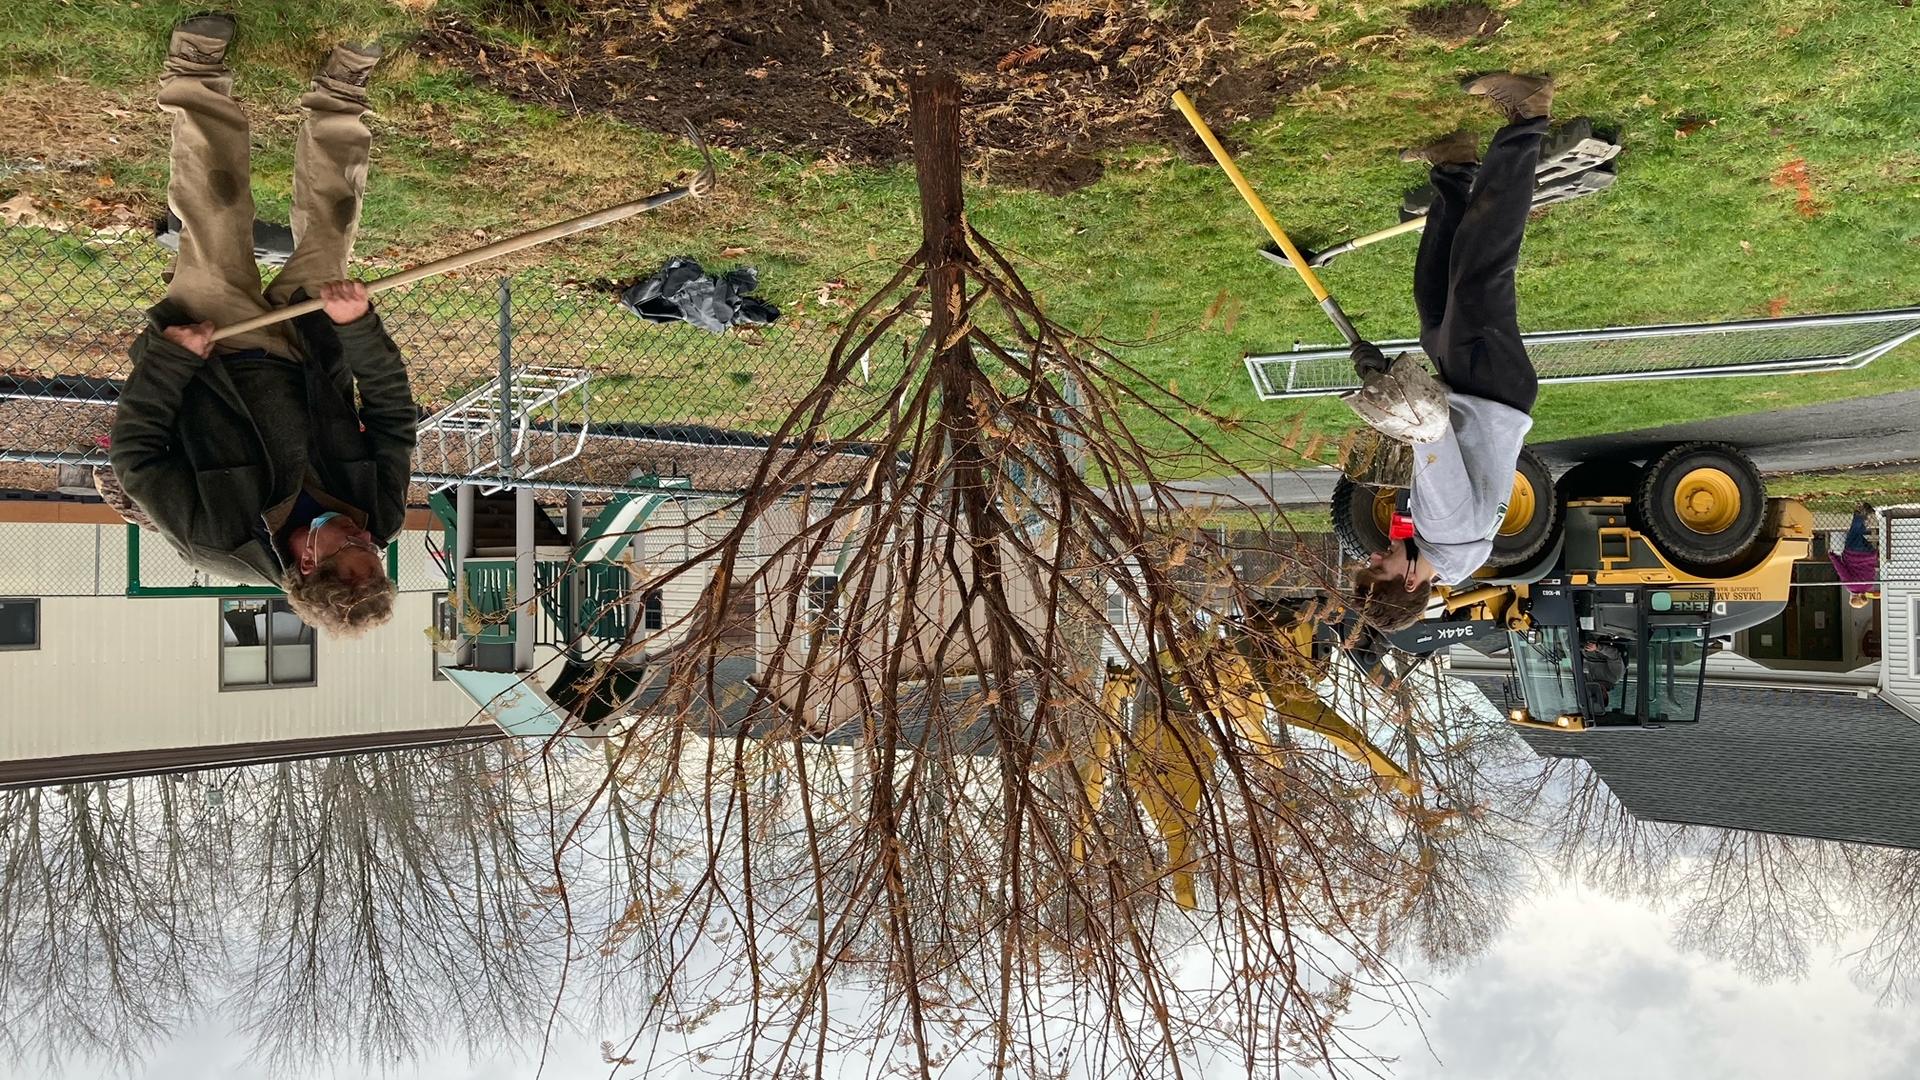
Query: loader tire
[[1703, 504], [1532, 517], [1357, 520]]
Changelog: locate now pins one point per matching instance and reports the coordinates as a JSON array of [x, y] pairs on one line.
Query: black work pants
[[1463, 277]]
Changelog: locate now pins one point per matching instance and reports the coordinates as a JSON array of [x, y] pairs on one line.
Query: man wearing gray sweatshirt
[[1463, 287]]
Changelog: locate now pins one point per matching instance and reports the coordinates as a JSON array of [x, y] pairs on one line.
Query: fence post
[[505, 434]]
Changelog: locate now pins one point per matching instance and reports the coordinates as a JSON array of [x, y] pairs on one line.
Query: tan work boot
[[352, 65], [1521, 97], [1460, 148], [201, 41]]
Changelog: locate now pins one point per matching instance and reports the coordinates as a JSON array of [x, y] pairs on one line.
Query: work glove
[[1369, 360], [1404, 402]]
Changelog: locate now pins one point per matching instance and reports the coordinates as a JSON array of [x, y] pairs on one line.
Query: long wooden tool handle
[[469, 258], [1410, 225], [1300, 265]]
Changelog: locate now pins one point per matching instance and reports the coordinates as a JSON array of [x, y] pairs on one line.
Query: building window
[[446, 652], [20, 623], [1913, 635], [264, 644], [1116, 609], [653, 612], [822, 589]]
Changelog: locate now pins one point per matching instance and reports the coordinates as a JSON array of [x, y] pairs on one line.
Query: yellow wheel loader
[[1250, 675], [1608, 585]]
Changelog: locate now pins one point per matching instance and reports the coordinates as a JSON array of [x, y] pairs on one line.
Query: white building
[[96, 683], [1900, 608]]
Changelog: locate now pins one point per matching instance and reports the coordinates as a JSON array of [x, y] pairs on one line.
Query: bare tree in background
[[394, 900], [1475, 864], [1888, 894], [1762, 902], [108, 922], [1593, 838]]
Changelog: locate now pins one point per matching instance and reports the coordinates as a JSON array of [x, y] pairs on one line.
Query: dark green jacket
[[192, 452]]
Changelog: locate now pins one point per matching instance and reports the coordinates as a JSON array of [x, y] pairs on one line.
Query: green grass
[[1695, 229], [1844, 490]]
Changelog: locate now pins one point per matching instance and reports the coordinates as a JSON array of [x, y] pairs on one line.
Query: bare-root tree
[[915, 813]]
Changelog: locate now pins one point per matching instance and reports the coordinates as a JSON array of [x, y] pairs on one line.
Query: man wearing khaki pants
[[279, 456]]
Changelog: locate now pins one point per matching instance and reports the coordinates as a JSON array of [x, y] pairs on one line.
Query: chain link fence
[[1692, 350], [76, 559], [524, 379]]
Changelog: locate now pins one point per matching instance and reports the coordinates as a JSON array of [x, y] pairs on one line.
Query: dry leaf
[[732, 252], [1020, 57], [22, 209], [1293, 433], [1300, 11], [826, 43], [1213, 309]]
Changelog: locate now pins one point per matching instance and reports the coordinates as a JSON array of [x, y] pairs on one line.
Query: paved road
[[1836, 435]]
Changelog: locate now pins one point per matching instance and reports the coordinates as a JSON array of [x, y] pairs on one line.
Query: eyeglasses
[[351, 541]]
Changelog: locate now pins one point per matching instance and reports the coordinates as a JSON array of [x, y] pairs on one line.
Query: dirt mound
[[1047, 87], [1457, 23]]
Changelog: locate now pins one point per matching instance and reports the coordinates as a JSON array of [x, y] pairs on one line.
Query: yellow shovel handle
[[1300, 265], [1185, 104]]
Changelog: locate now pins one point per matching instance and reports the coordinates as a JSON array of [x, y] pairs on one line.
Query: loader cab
[[1611, 657]]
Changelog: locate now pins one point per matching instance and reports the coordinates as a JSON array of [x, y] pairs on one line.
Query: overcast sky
[[1580, 987], [1584, 987]]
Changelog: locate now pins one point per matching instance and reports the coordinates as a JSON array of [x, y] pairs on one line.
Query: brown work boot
[[1460, 148], [201, 41], [352, 65], [1521, 97]]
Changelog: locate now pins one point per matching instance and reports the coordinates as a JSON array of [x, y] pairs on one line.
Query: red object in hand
[[1401, 528]]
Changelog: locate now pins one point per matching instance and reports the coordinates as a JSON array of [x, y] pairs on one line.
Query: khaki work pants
[[215, 277]]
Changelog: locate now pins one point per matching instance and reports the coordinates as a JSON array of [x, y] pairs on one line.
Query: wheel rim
[[1707, 501], [1521, 506], [1383, 506]]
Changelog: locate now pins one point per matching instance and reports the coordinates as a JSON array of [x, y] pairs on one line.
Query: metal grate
[[1680, 350]]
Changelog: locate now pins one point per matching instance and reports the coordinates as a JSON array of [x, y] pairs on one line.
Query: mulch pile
[[1048, 87]]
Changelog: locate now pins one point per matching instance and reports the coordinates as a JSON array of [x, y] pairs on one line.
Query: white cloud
[[1585, 987]]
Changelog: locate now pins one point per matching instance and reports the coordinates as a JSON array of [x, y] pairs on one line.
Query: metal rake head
[[702, 183]]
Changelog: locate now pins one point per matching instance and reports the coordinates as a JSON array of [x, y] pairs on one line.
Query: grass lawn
[[1722, 108]]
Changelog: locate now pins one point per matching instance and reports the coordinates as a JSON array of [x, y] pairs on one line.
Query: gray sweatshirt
[[1461, 482]]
